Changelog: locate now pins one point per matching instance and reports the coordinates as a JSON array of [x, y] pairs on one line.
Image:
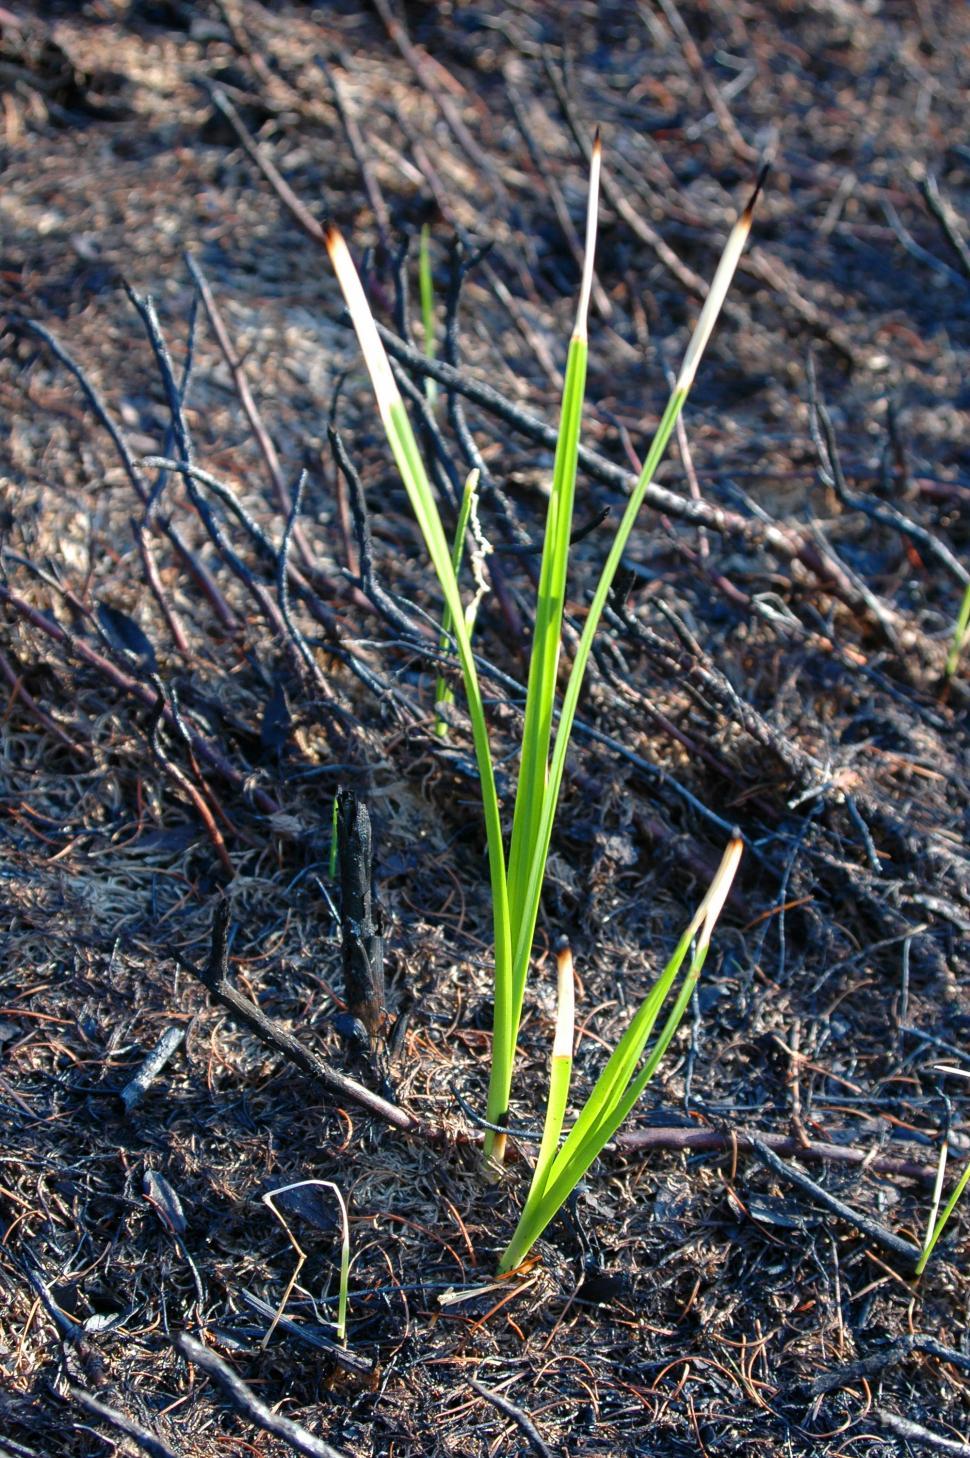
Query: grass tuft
[[516, 884]]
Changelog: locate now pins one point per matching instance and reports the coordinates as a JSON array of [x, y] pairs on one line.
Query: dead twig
[[521, 1419], [716, 1142], [16, 682], [145, 1440], [167, 1045], [894, 1244], [945, 214], [215, 977], [877, 1362], [147, 695], [916, 1433], [248, 1404]]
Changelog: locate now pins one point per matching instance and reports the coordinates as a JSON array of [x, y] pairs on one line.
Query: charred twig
[[135, 1090], [618, 201], [311, 1336], [363, 945], [249, 1406], [152, 577], [257, 590], [16, 682], [521, 1418], [176, 773], [29, 1267], [93, 396], [215, 977], [257, 535], [422, 70], [877, 1362], [283, 580], [755, 262], [945, 215], [915, 1433], [146, 1441], [916, 250], [172, 434], [543, 175], [140, 690], [715, 1141], [356, 142], [695, 61], [831, 474], [263, 439], [875, 1232]]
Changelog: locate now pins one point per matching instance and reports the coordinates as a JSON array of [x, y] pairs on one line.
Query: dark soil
[[777, 661]]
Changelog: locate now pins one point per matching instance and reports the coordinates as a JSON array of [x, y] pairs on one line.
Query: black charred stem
[[362, 942]]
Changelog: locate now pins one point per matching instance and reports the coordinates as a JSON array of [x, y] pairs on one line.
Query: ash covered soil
[[175, 728]]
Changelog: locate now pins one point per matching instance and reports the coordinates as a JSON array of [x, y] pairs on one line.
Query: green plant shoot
[[936, 1225], [558, 1171], [959, 634], [517, 886], [951, 1204], [426, 291], [443, 693], [334, 838]]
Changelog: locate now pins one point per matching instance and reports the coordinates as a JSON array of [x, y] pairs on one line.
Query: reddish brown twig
[[141, 691], [715, 1141], [16, 683]]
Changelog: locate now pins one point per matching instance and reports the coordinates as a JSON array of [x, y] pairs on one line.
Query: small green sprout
[[936, 1226], [426, 291], [516, 884], [960, 634], [443, 694]]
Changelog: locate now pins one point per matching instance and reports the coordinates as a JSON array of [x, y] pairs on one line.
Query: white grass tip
[[375, 357], [720, 284], [562, 1045], [589, 254], [718, 891]]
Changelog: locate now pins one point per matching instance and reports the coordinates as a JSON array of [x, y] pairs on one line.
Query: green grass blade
[[426, 291], [560, 1074], [527, 910], [959, 634], [547, 636], [334, 838], [940, 1226], [405, 450], [442, 692], [546, 640], [620, 1085]]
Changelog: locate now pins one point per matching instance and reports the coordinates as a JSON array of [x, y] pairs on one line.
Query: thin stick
[[92, 395], [521, 1419], [715, 1142], [167, 1045], [248, 1404], [143, 691], [16, 682], [215, 977], [349, 122], [185, 784], [916, 1433], [250, 409], [877, 1233], [145, 1440]]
